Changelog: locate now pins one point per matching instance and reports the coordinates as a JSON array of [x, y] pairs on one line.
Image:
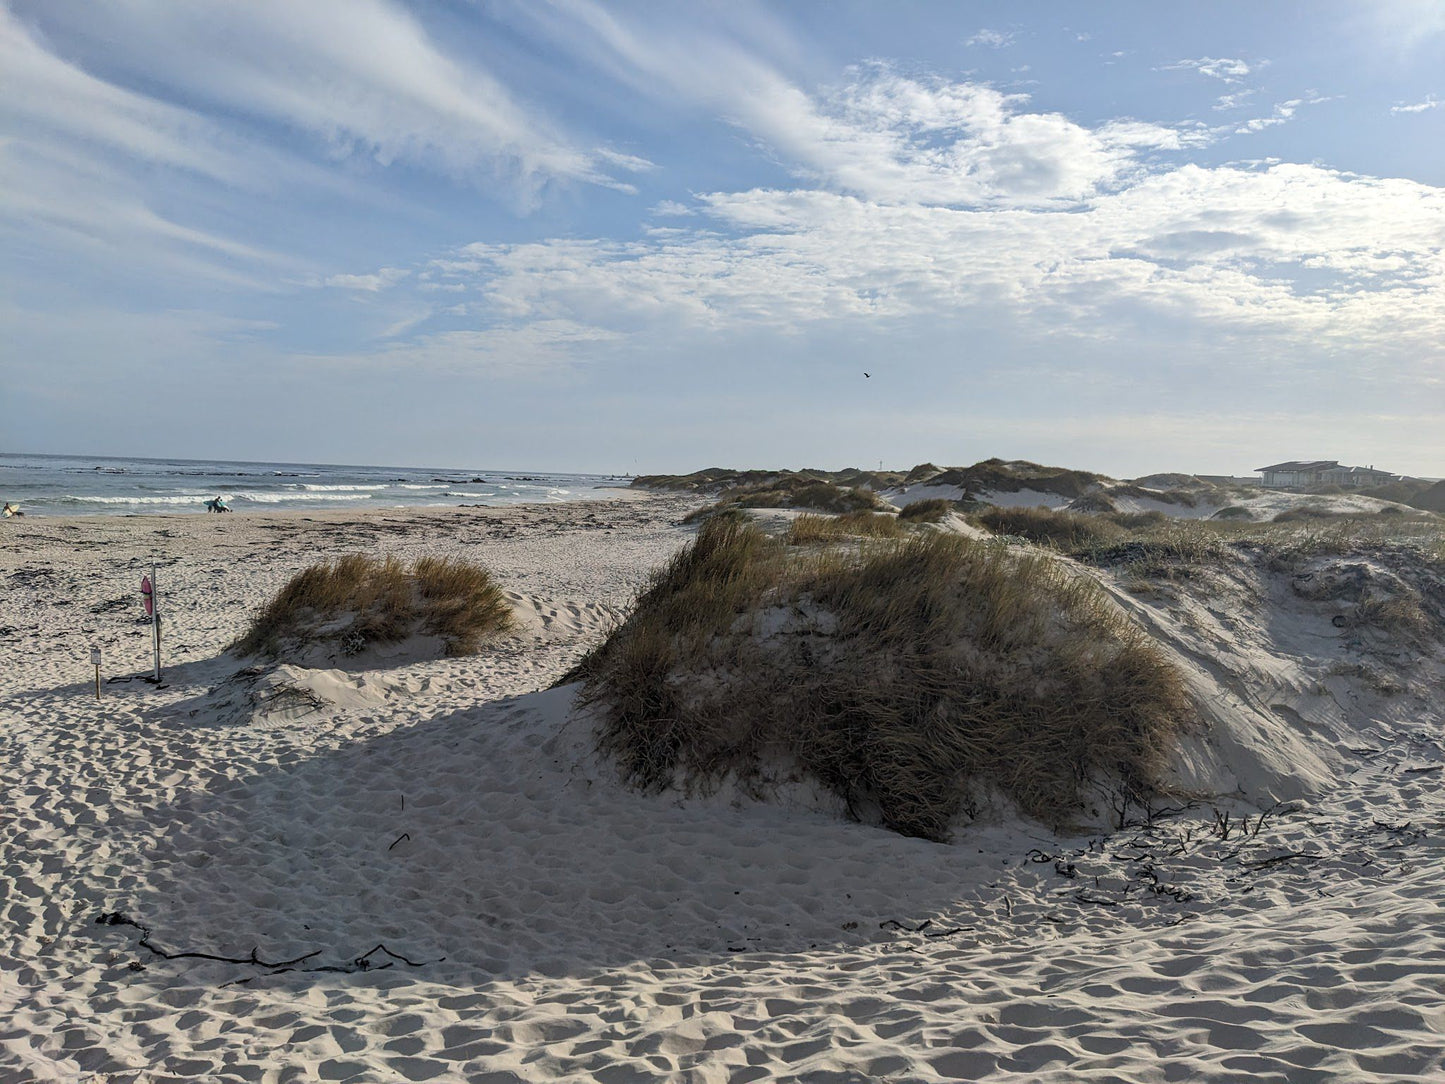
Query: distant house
[[1303, 474]]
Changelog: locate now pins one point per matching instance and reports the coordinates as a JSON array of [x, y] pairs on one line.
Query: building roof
[[1301, 464]]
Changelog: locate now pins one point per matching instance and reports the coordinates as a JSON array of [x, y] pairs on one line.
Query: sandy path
[[563, 928]]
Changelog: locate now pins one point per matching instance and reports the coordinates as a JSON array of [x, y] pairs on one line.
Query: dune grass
[[803, 493], [909, 677], [1061, 530], [809, 528], [933, 510], [359, 599]]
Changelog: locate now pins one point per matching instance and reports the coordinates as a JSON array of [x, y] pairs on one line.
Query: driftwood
[[357, 963]]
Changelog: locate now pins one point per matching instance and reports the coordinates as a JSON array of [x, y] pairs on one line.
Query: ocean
[[64, 485]]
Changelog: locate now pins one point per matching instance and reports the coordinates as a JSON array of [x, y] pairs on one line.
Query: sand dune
[[537, 921]]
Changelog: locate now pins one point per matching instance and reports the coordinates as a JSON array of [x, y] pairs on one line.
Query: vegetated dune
[[368, 610], [1023, 484], [927, 679], [1300, 649]]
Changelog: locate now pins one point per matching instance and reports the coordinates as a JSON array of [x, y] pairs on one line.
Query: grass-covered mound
[[809, 528], [794, 492], [1062, 530], [358, 600], [803, 493], [933, 510], [907, 676]]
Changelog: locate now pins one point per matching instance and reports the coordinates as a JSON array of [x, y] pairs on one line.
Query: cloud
[[363, 77], [1233, 101], [880, 134], [372, 283], [1312, 260], [541, 349], [1430, 102], [993, 39], [890, 137], [1225, 69], [1283, 113], [630, 162], [65, 201]]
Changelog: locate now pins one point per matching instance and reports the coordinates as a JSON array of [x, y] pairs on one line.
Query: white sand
[[567, 929]]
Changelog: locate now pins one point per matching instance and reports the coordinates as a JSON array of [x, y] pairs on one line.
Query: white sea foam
[[200, 498], [277, 498]]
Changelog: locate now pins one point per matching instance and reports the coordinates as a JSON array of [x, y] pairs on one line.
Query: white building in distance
[[1306, 473]]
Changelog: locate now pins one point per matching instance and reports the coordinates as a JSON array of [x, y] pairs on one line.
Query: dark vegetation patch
[[933, 510], [1093, 503], [909, 677], [1011, 476], [358, 600], [1138, 521], [800, 493], [1063, 530], [988, 476], [1416, 492], [809, 528]]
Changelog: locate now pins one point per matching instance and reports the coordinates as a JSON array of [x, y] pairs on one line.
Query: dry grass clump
[[1093, 503], [908, 678], [815, 496], [1062, 530], [358, 600], [1138, 521], [1399, 616], [708, 511], [1177, 548], [794, 492], [1305, 513], [809, 528], [933, 510]]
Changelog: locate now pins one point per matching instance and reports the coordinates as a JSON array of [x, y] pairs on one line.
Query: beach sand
[[459, 890]]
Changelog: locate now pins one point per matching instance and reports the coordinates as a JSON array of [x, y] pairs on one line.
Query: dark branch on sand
[[357, 963]]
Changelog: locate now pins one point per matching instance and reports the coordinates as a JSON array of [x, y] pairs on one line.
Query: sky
[[643, 237]]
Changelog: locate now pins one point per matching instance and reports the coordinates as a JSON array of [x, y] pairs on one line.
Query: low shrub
[[1062, 530], [359, 599], [1306, 512], [815, 496], [1137, 521], [708, 511], [1093, 503], [809, 528], [933, 510], [1233, 512], [908, 678]]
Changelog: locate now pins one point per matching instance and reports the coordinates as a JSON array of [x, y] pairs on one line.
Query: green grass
[[359, 599], [909, 677]]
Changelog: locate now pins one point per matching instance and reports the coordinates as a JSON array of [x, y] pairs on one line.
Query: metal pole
[[156, 621]]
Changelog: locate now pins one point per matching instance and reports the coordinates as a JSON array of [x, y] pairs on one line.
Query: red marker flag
[[147, 595]]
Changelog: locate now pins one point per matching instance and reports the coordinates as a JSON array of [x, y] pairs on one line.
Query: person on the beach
[[12, 510], [217, 505]]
